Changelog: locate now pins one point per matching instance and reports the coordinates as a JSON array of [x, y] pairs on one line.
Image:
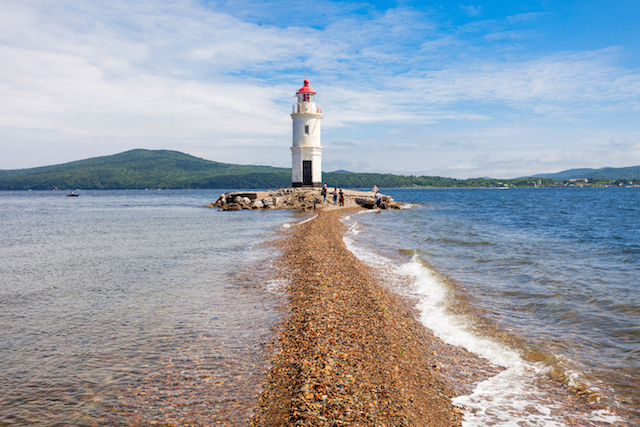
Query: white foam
[[354, 229], [307, 220], [290, 224], [511, 398], [508, 399], [361, 252], [276, 286], [604, 416], [452, 329], [368, 211]]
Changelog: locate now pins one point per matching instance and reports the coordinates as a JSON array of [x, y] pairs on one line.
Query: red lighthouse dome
[[306, 88]]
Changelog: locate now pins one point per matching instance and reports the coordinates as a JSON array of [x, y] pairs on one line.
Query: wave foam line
[[450, 328], [510, 398], [290, 224]]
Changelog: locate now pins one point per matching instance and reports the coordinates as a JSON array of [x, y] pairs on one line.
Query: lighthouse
[[306, 151]]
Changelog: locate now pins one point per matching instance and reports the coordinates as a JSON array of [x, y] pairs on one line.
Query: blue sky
[[488, 88]]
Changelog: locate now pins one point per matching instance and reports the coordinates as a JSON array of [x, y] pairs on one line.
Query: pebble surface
[[350, 351]]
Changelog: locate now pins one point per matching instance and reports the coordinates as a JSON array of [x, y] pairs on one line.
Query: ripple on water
[[132, 307], [558, 278]]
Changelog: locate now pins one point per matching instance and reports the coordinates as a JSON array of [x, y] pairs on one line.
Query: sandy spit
[[350, 351]]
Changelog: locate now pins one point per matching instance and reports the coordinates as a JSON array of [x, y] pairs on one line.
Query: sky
[[490, 88]]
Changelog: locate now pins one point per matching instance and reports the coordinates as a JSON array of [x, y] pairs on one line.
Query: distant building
[[306, 151]]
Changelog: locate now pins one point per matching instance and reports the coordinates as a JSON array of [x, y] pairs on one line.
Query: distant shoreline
[[141, 169], [344, 187]]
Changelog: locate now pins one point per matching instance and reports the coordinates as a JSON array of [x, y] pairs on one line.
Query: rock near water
[[300, 199]]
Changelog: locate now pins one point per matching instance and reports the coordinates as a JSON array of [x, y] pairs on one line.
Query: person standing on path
[[335, 196], [378, 199], [341, 198], [323, 193]]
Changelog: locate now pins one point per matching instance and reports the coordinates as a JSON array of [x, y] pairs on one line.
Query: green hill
[[139, 169], [368, 180], [631, 172]]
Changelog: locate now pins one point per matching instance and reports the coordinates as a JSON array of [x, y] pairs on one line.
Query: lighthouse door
[[306, 172]]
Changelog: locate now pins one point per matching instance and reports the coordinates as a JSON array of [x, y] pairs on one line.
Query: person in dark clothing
[[378, 199]]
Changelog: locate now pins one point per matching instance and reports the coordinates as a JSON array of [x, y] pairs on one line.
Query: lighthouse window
[[306, 129], [305, 97]]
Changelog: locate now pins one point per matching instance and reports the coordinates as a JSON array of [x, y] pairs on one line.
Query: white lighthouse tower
[[306, 152]]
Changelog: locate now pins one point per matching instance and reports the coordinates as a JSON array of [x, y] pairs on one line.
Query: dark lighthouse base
[[300, 184]]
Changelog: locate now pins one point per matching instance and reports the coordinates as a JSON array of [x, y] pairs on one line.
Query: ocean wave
[[513, 397], [276, 286], [293, 224], [452, 328]]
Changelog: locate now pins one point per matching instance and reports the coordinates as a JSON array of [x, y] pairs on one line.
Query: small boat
[[72, 194]]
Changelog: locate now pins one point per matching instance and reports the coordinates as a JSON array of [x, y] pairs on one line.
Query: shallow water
[[132, 307], [123, 307], [541, 281]]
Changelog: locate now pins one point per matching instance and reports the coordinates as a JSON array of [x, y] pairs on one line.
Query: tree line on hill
[[140, 169]]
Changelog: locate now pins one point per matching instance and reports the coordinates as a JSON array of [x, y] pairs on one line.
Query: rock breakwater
[[302, 199]]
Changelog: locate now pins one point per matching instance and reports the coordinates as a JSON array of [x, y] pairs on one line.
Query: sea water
[[133, 308], [542, 282], [141, 307]]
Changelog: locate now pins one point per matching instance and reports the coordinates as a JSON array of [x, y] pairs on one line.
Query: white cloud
[[508, 152], [94, 78], [472, 10], [561, 80], [527, 17], [510, 35]]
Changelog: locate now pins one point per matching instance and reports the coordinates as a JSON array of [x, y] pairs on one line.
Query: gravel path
[[351, 352]]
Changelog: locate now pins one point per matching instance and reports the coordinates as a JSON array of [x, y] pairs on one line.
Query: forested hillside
[[140, 169], [631, 172]]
